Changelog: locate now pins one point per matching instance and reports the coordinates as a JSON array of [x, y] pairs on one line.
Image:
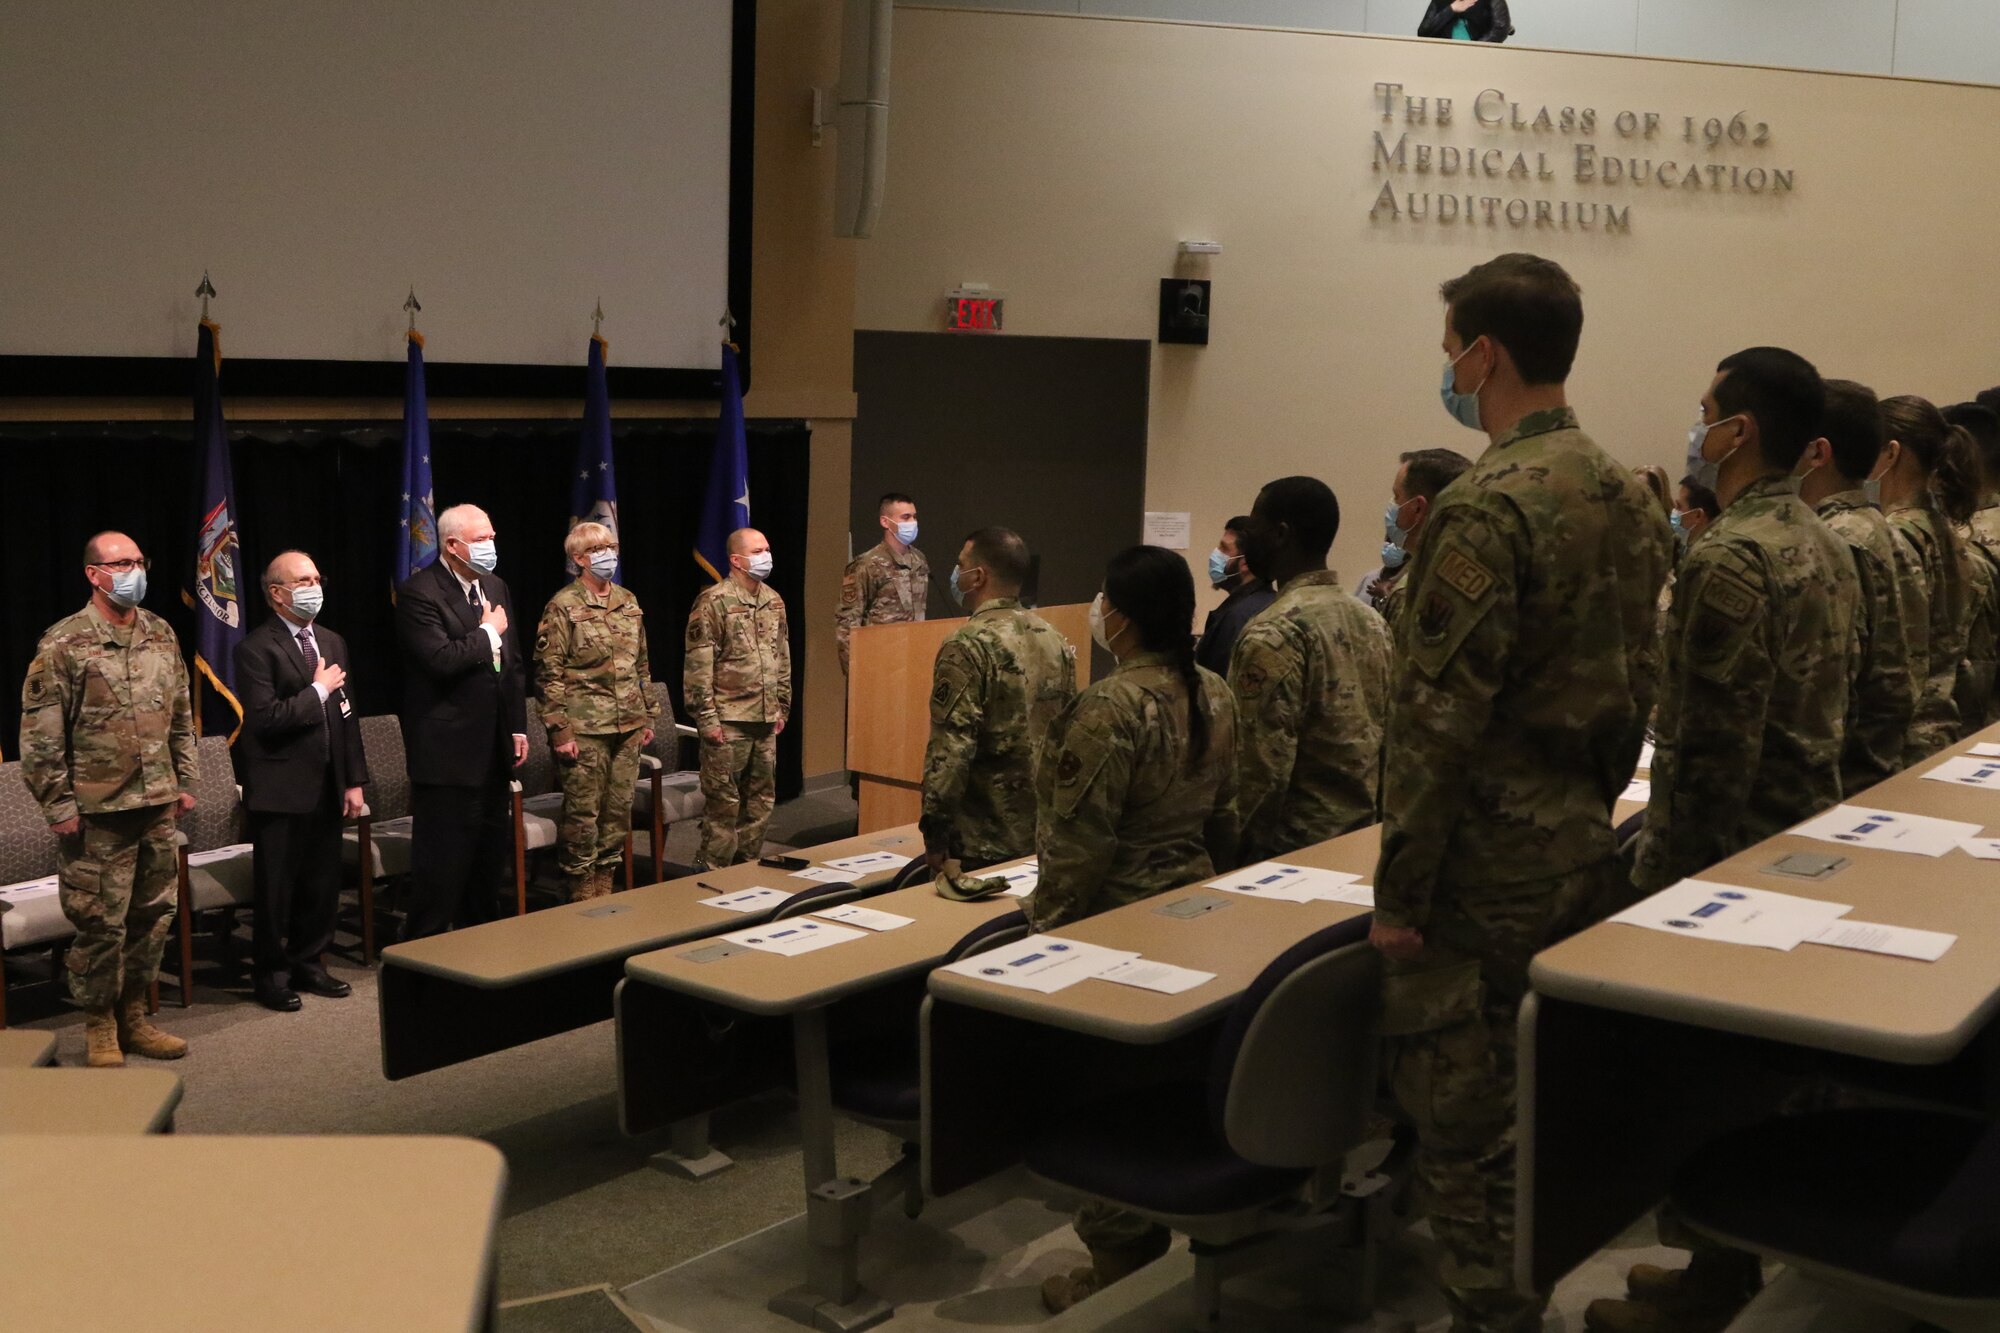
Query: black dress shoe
[[277, 995], [318, 981]]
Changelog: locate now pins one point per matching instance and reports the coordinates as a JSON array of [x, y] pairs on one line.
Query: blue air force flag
[[725, 502], [416, 534]]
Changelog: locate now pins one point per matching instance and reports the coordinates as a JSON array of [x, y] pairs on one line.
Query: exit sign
[[972, 312]]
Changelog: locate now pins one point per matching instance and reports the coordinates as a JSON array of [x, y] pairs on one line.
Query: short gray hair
[[458, 518], [584, 536]]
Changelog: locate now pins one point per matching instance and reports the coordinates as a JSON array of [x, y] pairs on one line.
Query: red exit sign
[[965, 313]]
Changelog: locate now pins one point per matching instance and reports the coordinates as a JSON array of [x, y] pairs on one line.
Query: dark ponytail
[[1948, 454], [1151, 587]]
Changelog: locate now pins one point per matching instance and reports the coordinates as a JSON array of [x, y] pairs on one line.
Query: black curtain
[[334, 491]]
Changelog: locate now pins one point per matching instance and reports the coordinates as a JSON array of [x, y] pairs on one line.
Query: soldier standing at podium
[[998, 684], [889, 583]]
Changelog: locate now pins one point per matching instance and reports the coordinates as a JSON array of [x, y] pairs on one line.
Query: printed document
[[1732, 914]]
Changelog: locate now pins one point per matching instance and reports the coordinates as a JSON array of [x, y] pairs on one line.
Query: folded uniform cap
[[952, 882]]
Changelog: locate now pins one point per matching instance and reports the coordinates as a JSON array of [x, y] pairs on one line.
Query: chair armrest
[[239, 793], [363, 813], [650, 764], [514, 785], [683, 729], [180, 839]]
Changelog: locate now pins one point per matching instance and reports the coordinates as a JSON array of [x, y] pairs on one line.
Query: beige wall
[[803, 297], [1062, 159]]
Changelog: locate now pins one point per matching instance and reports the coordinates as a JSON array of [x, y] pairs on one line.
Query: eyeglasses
[[593, 550], [121, 566]]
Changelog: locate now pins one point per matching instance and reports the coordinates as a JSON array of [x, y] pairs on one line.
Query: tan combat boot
[[138, 1035], [590, 884], [1106, 1267], [100, 1035]]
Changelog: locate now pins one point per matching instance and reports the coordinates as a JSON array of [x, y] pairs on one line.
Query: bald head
[[747, 541], [106, 547]]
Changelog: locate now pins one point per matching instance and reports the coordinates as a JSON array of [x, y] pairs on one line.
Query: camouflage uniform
[[1983, 540], [1885, 692], [1973, 696], [591, 671], [1125, 812], [1760, 655], [1525, 669], [1393, 602], [1311, 679], [999, 683], [738, 677], [881, 588], [107, 734], [1937, 566]]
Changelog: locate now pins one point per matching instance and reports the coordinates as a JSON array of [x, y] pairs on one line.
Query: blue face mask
[[604, 564], [1674, 522], [1218, 567], [1393, 556], [906, 532], [307, 601], [1395, 532], [957, 593], [482, 556], [128, 587], [1464, 407]]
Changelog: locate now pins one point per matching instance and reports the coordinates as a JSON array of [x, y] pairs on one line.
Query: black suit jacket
[[289, 737], [1487, 22], [456, 708]]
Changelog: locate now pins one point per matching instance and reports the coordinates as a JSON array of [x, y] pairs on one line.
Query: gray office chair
[[1258, 1151]]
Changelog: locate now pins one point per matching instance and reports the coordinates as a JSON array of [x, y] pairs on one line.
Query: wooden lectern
[[889, 706]]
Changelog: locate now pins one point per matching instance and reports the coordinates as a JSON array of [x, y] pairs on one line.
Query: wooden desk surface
[[1844, 1000], [87, 1101], [516, 949], [21, 1048], [766, 983], [1235, 942], [408, 1246]]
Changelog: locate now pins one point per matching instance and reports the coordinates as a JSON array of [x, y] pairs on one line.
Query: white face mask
[[307, 601], [482, 556], [758, 566], [906, 532], [604, 563], [1097, 623]]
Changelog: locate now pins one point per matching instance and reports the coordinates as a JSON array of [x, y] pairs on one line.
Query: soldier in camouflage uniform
[[1525, 670], [738, 686], [591, 671], [1421, 477], [1981, 538], [1884, 696], [108, 751], [1311, 679], [1929, 478], [1135, 795], [889, 582], [998, 685]]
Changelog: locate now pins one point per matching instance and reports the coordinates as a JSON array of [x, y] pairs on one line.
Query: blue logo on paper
[[1732, 895], [1708, 909], [992, 971]]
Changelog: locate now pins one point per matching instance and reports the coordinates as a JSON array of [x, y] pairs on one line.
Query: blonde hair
[[1659, 483], [584, 536]]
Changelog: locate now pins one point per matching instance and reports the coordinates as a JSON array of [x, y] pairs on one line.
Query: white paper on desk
[[869, 861], [1162, 977], [1646, 756], [827, 875], [1638, 789], [1732, 914], [1042, 963], [1359, 895], [1968, 773], [1887, 830], [1924, 945], [1021, 879], [33, 888], [1985, 750], [750, 900], [796, 936], [1284, 883], [215, 854], [1986, 849], [865, 917]]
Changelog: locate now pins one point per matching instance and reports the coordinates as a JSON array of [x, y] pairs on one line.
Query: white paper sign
[[1021, 879], [1986, 849], [1360, 895], [1732, 914], [1887, 830], [1924, 945], [1646, 757], [865, 917], [33, 888], [1041, 963], [1162, 977], [1985, 750], [1285, 883], [869, 862], [790, 938], [827, 875], [749, 900], [1168, 530], [1968, 772]]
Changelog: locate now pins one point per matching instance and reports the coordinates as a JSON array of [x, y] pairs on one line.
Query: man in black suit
[[303, 769], [465, 724]]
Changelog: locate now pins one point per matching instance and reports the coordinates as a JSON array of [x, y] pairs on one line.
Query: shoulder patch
[[1464, 575], [1730, 597], [542, 642], [941, 692], [1434, 619], [1069, 768]]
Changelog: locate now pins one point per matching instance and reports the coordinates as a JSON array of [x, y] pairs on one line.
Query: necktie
[[472, 598], [309, 648]]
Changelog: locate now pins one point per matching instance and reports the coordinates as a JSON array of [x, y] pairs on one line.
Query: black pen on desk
[[712, 888]]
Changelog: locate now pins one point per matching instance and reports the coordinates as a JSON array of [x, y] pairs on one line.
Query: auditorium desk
[[409, 1247], [495, 986], [21, 1048], [88, 1101], [674, 1063], [1637, 1047]]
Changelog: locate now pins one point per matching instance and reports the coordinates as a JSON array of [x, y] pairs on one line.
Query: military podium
[[889, 706]]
